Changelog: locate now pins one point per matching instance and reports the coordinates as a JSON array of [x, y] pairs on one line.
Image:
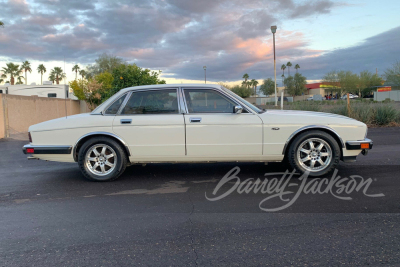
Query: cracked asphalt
[[159, 215]]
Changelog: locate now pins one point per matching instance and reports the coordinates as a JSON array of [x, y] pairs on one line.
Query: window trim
[[150, 89], [218, 91]]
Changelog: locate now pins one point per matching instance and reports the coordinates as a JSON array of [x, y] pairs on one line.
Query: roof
[[202, 85]]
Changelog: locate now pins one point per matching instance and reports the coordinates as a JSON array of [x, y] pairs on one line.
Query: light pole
[[205, 75], [273, 30]]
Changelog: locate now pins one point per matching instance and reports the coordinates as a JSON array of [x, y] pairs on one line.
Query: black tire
[[119, 162], [330, 147]]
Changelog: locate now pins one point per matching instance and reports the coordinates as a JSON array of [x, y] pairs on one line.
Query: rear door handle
[[195, 119], [126, 121]]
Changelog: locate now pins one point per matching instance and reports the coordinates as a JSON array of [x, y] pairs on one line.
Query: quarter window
[[113, 109], [152, 102], [207, 101]]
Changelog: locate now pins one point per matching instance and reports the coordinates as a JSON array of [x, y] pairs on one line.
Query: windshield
[[254, 108]]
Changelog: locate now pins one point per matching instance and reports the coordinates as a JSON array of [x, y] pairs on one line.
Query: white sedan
[[194, 123]]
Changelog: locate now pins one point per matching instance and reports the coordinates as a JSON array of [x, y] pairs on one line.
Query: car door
[[151, 123], [213, 130]]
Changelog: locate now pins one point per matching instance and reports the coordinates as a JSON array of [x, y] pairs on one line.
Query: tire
[[109, 163], [325, 150]]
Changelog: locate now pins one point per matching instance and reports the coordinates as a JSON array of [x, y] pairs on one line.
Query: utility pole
[[273, 29]]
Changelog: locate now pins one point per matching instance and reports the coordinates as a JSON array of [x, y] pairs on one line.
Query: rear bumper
[[359, 144], [30, 149]]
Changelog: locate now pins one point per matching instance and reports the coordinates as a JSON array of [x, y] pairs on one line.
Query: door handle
[[195, 119], [126, 121]]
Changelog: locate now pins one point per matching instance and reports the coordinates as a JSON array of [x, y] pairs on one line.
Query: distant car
[[310, 98], [284, 99], [171, 123], [351, 96]]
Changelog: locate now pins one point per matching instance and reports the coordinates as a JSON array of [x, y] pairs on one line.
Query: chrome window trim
[[218, 91], [311, 127], [99, 133], [116, 99], [148, 89]]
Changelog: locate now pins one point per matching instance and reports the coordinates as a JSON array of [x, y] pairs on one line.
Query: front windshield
[[254, 108]]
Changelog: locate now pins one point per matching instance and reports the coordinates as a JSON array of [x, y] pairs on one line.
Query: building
[[52, 90]]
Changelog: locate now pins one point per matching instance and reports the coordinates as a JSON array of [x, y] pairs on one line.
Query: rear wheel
[[102, 159], [315, 152]]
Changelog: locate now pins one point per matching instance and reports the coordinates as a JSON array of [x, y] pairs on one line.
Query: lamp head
[[204, 67], [273, 29]]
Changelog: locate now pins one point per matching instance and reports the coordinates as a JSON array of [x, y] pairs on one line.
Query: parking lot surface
[[159, 214]]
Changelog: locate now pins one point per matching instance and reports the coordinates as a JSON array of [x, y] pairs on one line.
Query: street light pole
[[273, 30], [205, 74]]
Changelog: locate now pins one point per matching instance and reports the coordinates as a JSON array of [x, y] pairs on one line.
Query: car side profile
[[194, 123]]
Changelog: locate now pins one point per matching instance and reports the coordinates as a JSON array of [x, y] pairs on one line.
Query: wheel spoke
[[91, 159], [103, 168], [96, 152], [95, 166], [319, 148], [321, 162], [109, 156], [312, 164], [305, 159], [305, 151], [311, 144], [325, 154], [103, 150], [109, 164]]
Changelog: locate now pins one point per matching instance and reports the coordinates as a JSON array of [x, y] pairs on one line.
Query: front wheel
[[102, 159], [316, 152]]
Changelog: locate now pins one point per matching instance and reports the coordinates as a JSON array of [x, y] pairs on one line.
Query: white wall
[[39, 90]]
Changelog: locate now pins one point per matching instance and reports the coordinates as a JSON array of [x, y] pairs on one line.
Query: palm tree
[[76, 69], [289, 65], [82, 73], [297, 67], [1, 24], [245, 77], [13, 70], [283, 67], [58, 74], [19, 80], [26, 65], [52, 76], [254, 85], [41, 69]]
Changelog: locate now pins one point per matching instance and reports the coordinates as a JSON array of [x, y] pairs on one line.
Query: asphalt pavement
[[168, 214]]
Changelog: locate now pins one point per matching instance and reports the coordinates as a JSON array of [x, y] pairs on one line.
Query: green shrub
[[242, 91], [385, 114]]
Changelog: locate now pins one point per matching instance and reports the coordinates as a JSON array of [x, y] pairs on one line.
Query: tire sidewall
[[336, 153], [121, 159]]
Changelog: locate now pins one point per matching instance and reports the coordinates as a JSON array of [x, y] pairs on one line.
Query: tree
[[13, 71], [392, 75], [127, 75], [297, 67], [254, 83], [104, 63], [56, 74], [299, 84], [242, 91], [19, 80], [289, 65], [26, 66], [76, 68], [82, 73], [268, 87], [41, 69], [348, 81], [290, 86], [1, 24], [283, 67], [89, 91], [367, 81], [245, 77]]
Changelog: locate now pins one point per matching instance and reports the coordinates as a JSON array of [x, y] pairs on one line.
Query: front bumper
[[30, 149], [365, 144]]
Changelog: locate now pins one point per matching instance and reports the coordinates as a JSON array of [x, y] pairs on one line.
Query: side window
[[152, 102], [51, 95], [113, 109], [207, 101]]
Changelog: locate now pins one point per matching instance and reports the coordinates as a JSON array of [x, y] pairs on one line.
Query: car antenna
[[65, 92]]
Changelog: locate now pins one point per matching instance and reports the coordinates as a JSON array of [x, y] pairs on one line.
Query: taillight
[[30, 137], [30, 150]]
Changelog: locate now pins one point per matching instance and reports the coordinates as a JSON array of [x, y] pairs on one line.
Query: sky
[[179, 37]]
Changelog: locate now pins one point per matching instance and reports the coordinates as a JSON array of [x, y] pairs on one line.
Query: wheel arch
[[323, 128], [87, 136]]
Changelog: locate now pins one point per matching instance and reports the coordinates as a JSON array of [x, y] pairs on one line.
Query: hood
[[308, 117]]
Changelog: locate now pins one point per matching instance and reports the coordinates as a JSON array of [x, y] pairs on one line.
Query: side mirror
[[238, 109]]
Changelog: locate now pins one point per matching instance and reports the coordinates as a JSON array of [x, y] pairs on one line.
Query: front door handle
[[195, 119], [126, 121]]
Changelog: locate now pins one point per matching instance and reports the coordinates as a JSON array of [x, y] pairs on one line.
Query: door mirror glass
[[238, 109]]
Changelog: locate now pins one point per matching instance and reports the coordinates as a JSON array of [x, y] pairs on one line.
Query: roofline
[[198, 85]]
